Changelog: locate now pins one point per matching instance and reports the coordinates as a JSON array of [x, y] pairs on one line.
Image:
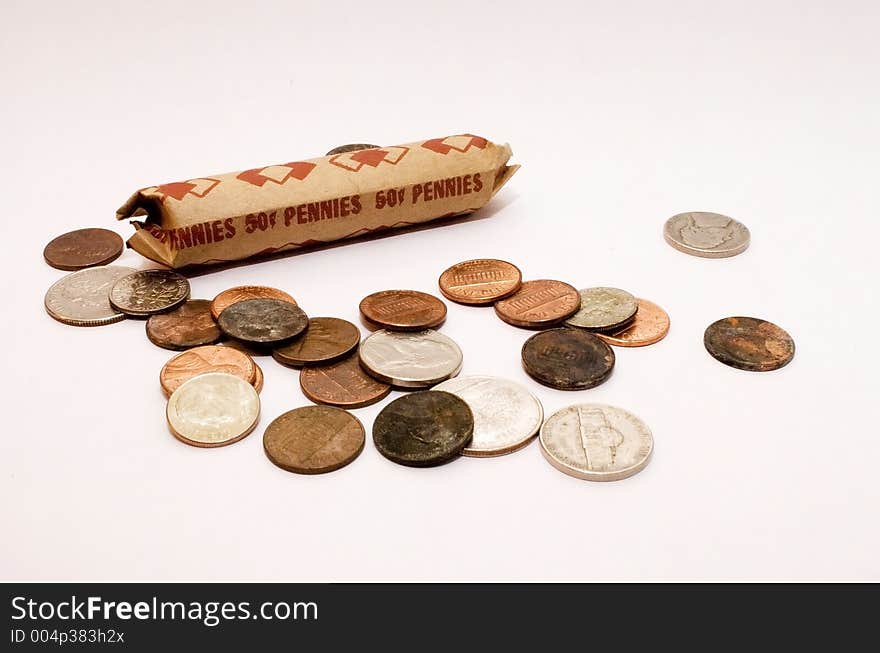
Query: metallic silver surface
[[604, 308], [149, 291], [212, 410], [710, 235], [416, 359], [83, 298], [596, 442], [506, 415]]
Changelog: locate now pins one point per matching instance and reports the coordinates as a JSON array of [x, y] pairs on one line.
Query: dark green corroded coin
[[423, 429], [263, 322], [748, 343], [567, 359]]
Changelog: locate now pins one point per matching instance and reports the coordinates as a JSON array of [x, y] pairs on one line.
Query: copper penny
[[202, 360], [238, 294], [314, 439], [344, 384], [83, 248], [258, 378], [326, 339], [748, 343], [351, 147], [539, 304], [650, 325], [480, 281], [189, 325], [263, 322], [402, 310], [567, 359]]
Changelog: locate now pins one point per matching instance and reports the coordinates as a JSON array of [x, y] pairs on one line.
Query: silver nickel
[[604, 308], [83, 298], [596, 442], [146, 292], [213, 410], [506, 415], [418, 359], [710, 235]]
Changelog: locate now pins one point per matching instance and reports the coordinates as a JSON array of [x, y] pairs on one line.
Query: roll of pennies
[[327, 339], [402, 310], [189, 325], [203, 360], [83, 248], [146, 292], [749, 343], [480, 282], [240, 293], [343, 383], [314, 439], [604, 309], [539, 304], [567, 359], [263, 322], [410, 360]]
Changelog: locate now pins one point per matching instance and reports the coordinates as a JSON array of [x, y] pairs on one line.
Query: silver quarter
[[596, 442], [710, 235], [146, 292], [416, 359], [506, 415], [83, 298], [603, 309]]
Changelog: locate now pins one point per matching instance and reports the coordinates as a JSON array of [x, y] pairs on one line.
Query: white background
[[622, 114]]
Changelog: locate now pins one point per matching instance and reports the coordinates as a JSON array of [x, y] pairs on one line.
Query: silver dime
[[82, 298], [417, 359], [146, 292], [506, 415], [604, 309], [596, 442], [710, 235]]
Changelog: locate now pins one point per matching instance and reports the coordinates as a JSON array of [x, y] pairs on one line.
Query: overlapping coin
[[83, 298], [146, 292], [83, 248], [189, 325], [480, 282], [410, 359], [344, 384], [326, 339], [539, 304], [263, 322], [749, 343], [567, 359], [604, 309], [314, 439], [203, 360], [240, 293], [650, 325], [402, 310], [709, 235]]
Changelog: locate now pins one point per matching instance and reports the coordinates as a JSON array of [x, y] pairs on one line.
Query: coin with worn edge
[[83, 248], [240, 293], [146, 292], [539, 304], [402, 310], [263, 322], [410, 359], [567, 359], [423, 428], [203, 360], [326, 339], [596, 442], [83, 298], [213, 410], [710, 235], [258, 378], [188, 325], [604, 309], [314, 439], [351, 147], [480, 281], [651, 324], [748, 343], [344, 384], [506, 415]]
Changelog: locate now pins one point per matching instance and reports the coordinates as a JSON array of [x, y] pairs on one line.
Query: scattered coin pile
[[213, 384]]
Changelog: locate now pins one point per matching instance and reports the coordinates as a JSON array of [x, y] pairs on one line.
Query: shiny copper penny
[[402, 310], [326, 339], [314, 439], [650, 325], [539, 304], [263, 322], [238, 294], [189, 325], [748, 343], [202, 360], [351, 147], [83, 248], [344, 384], [480, 281], [567, 359]]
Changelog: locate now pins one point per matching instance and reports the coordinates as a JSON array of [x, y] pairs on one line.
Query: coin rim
[[312, 362], [378, 324], [533, 325], [610, 336], [359, 404], [283, 296], [703, 252], [312, 471], [482, 301], [409, 383], [568, 388], [604, 327], [69, 268]]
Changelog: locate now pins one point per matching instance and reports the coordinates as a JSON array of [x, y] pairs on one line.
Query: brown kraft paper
[[237, 215]]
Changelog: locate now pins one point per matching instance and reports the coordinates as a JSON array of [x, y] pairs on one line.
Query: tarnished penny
[[402, 310], [567, 359], [314, 439], [188, 325], [410, 359], [146, 292], [596, 442], [326, 339], [539, 304], [748, 343], [604, 309], [240, 293], [506, 415], [83, 298], [351, 147], [258, 378], [263, 322], [480, 281], [203, 360], [650, 325], [344, 384], [423, 429], [83, 248], [213, 410], [710, 235]]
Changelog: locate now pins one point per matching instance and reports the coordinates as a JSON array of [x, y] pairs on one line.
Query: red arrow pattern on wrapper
[[180, 189], [296, 170], [354, 161], [460, 143]]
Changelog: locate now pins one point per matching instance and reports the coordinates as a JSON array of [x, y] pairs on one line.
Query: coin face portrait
[[83, 298], [709, 235], [604, 309], [146, 292], [410, 359]]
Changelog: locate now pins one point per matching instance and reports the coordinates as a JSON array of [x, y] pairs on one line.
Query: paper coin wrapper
[[237, 215]]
